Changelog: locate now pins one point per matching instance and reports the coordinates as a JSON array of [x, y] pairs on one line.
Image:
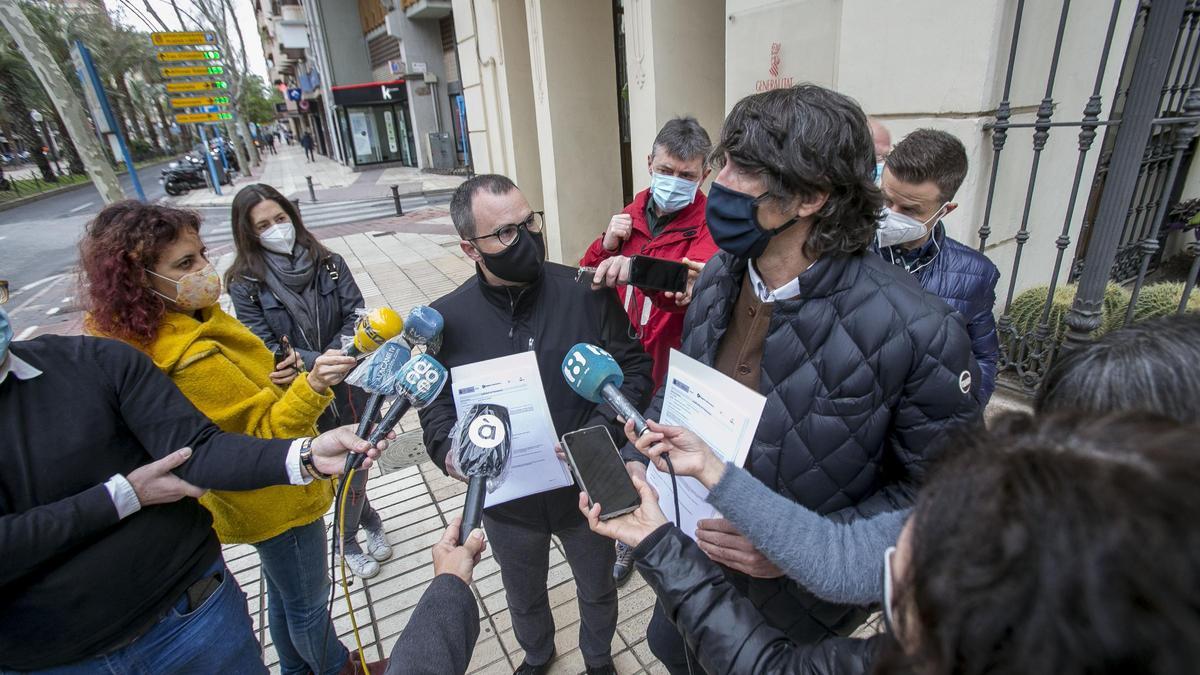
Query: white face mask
[[279, 238], [897, 228]]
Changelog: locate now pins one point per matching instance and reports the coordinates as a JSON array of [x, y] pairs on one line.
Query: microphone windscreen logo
[[587, 368], [383, 366], [423, 379], [376, 327], [486, 431]]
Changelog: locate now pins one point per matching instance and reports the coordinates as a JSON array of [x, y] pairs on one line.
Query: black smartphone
[[600, 471], [656, 274], [284, 350]]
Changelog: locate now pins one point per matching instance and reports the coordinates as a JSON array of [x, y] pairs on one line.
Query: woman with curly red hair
[[148, 282]]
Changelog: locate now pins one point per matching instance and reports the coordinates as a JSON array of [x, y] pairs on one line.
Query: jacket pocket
[[851, 406]]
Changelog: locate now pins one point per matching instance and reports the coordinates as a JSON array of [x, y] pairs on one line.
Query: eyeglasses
[[508, 234], [3, 291], [888, 615]]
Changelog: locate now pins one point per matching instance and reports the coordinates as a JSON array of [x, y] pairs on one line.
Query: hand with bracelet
[[325, 455]]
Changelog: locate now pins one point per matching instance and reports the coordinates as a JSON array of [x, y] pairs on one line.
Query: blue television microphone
[[418, 383], [423, 327], [594, 374], [383, 366]]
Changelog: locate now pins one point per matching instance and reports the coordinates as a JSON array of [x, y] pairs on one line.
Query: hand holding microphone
[[690, 456]]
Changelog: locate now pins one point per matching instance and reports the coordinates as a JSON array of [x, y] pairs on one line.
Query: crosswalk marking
[[322, 214]]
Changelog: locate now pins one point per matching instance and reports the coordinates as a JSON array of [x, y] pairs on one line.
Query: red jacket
[[686, 236]]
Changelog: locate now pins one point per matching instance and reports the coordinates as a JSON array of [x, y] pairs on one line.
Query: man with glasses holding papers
[[516, 303]]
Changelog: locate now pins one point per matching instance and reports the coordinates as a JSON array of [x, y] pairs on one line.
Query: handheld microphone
[[593, 374], [418, 383], [383, 367], [483, 441], [373, 329], [424, 327]]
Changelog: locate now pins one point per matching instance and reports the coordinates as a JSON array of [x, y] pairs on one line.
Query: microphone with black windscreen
[[482, 442]]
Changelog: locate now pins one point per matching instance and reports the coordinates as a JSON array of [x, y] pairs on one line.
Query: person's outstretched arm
[[838, 562]]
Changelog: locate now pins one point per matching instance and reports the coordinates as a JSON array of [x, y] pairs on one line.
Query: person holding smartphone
[[288, 288], [664, 221]]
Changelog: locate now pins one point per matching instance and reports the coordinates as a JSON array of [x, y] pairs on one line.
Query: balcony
[[427, 9]]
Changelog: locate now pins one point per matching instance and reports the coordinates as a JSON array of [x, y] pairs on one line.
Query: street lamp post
[[40, 120]]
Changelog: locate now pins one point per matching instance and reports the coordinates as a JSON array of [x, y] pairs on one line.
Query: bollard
[[396, 197], [311, 193]]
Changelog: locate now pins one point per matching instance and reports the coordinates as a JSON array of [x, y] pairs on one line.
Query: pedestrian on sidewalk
[[306, 142], [149, 283], [271, 142], [286, 285]]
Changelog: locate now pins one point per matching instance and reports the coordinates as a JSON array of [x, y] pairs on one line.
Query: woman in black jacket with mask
[[1062, 545], [286, 285]]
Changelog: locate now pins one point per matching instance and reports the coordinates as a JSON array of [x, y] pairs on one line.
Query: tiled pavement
[[402, 269]]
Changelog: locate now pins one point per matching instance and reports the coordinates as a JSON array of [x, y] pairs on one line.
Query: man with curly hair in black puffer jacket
[[864, 372]]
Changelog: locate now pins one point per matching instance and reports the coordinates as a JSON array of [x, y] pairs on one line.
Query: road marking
[[26, 333], [39, 282], [38, 295], [81, 207], [52, 311]]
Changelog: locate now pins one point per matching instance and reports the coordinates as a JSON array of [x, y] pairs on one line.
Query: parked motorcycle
[[187, 173]]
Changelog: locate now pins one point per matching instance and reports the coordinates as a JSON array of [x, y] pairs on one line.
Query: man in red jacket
[[666, 221]]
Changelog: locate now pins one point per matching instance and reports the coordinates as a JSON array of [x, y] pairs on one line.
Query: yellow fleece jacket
[[223, 369]]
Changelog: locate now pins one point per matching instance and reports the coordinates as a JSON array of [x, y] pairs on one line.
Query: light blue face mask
[[672, 193], [6, 334], [878, 172]]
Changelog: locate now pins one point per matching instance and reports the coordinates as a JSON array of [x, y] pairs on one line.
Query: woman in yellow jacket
[[149, 283]]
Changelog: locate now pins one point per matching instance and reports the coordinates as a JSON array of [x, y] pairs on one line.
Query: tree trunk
[[152, 132], [118, 111], [66, 147], [166, 125], [232, 139], [131, 108]]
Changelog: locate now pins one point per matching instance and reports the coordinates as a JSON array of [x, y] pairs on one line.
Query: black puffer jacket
[[337, 296], [865, 375], [725, 630]]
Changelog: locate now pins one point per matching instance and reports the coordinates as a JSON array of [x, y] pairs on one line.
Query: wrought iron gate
[[1148, 143]]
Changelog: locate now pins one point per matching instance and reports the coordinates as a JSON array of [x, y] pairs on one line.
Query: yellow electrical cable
[[362, 659]]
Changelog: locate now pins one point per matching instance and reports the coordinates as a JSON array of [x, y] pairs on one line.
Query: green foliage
[[1163, 299], [1026, 310], [256, 101]]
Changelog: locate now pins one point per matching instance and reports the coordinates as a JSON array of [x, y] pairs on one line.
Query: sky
[[243, 8]]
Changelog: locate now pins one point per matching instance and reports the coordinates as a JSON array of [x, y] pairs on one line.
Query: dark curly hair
[[126, 238], [807, 141], [1063, 545]]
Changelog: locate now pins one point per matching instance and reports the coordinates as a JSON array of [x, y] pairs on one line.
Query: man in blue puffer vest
[[919, 181]]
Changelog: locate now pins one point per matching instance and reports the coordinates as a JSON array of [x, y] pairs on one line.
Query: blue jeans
[[216, 637], [294, 565]]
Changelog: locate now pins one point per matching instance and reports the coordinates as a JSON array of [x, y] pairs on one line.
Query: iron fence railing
[[1149, 138]]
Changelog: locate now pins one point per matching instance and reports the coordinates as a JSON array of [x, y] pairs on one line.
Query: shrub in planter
[[1026, 310], [1163, 300]]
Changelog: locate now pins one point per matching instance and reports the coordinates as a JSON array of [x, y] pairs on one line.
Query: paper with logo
[[515, 383], [722, 412]]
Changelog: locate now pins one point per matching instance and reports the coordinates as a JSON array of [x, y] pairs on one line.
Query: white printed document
[[515, 383], [722, 412]]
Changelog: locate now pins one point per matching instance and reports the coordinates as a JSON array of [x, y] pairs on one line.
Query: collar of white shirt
[[787, 291], [20, 369]]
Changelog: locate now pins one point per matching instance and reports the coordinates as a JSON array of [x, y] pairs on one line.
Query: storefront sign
[[369, 93], [773, 64]]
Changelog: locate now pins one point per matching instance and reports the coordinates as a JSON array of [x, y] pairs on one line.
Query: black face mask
[[733, 222], [521, 262]]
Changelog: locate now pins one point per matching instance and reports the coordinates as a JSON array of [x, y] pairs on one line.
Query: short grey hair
[[462, 203], [683, 138]]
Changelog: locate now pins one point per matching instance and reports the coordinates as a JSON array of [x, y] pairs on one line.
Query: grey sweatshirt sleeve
[[838, 562]]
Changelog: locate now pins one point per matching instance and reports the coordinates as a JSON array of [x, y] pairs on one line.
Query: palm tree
[[16, 80]]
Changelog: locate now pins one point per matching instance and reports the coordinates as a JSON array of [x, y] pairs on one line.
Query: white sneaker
[[361, 564], [377, 544]]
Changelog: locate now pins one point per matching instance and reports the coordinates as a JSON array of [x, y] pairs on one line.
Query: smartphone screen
[[600, 471], [656, 274]]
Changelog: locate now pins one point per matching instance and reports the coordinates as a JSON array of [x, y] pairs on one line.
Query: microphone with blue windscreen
[[423, 328], [594, 374]]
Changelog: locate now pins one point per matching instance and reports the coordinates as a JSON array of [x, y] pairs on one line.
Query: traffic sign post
[[91, 80], [194, 101], [193, 118], [190, 55]]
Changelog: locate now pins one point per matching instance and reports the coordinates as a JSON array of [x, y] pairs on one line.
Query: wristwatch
[[306, 461]]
